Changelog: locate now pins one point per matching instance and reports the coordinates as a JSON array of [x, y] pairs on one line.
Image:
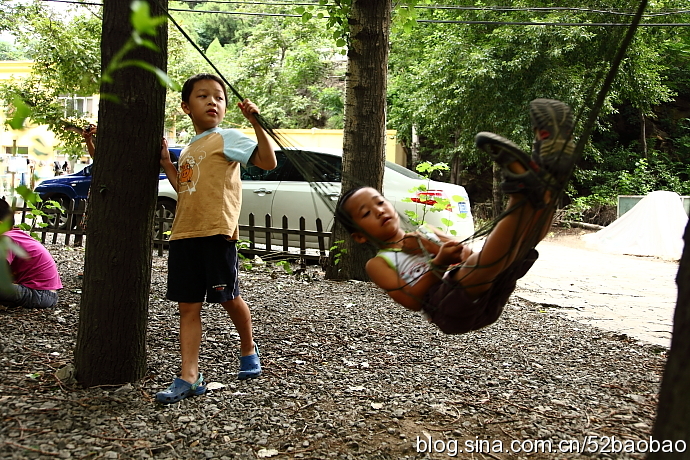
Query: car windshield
[[316, 166], [402, 170]]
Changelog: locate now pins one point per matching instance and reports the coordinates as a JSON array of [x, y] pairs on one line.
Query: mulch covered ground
[[347, 374]]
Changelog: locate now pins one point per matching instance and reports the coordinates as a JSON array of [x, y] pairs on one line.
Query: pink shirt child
[[39, 270]]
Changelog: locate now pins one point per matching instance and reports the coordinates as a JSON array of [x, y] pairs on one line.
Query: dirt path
[[631, 295]]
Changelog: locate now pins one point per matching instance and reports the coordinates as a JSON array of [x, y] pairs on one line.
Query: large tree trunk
[[673, 415], [365, 119], [111, 341]]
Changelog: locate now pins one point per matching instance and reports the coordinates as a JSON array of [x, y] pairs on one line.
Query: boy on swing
[[460, 290]]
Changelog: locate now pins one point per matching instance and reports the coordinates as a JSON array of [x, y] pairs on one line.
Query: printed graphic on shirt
[[412, 269], [189, 172]]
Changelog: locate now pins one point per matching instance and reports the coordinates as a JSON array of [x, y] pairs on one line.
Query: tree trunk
[[414, 148], [456, 170], [673, 415], [497, 202], [643, 135], [111, 340], [365, 119]]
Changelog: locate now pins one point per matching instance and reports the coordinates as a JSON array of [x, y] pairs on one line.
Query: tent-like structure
[[653, 227]]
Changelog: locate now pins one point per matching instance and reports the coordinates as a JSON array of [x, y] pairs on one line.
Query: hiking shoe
[[553, 148], [181, 389], [504, 152], [250, 366]]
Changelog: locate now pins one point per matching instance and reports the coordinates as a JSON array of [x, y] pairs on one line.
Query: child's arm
[[454, 255], [167, 164], [409, 296], [263, 157], [87, 134]]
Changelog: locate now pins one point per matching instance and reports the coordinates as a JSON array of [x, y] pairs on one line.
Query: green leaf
[[29, 195], [141, 18], [145, 42], [163, 77], [21, 113]]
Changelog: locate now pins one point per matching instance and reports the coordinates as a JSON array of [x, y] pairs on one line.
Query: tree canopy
[[478, 72], [460, 69]]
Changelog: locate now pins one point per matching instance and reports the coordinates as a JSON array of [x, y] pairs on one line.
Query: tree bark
[[497, 201], [673, 414], [365, 120], [414, 148], [643, 135], [111, 340]]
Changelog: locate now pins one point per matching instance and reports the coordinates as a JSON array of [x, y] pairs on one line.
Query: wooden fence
[[65, 227]]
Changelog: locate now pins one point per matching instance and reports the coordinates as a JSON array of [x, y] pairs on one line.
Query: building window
[[78, 106], [20, 150]]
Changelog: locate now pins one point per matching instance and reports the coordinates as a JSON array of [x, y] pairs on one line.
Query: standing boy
[[202, 258]]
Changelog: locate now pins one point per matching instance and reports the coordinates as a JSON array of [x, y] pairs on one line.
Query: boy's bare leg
[[239, 313], [190, 340], [536, 178], [506, 241]]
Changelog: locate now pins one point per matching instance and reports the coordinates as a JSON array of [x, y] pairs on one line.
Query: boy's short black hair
[[189, 85], [342, 215], [5, 209]]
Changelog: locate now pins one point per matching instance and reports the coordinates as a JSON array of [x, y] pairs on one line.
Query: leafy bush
[[593, 209]]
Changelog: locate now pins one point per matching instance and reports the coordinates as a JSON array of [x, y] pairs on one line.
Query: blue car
[[76, 187]]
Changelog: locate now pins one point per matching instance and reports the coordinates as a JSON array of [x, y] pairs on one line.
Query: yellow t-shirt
[[209, 192]]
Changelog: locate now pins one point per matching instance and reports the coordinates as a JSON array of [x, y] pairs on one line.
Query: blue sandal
[[250, 366], [180, 389]]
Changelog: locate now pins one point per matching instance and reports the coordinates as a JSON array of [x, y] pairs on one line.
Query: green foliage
[[582, 206], [9, 52], [21, 112], [66, 52], [453, 80], [36, 215], [338, 250], [143, 25], [338, 13], [285, 265], [624, 172], [67, 62], [431, 202], [245, 262]]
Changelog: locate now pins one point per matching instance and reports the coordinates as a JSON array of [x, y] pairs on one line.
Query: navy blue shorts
[[203, 269], [449, 307]]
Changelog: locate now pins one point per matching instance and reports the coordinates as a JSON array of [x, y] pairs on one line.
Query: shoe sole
[[502, 150], [247, 377], [555, 152]]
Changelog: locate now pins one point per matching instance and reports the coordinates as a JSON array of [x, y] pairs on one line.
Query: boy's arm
[[87, 134], [167, 164], [450, 251], [263, 157], [409, 296]]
